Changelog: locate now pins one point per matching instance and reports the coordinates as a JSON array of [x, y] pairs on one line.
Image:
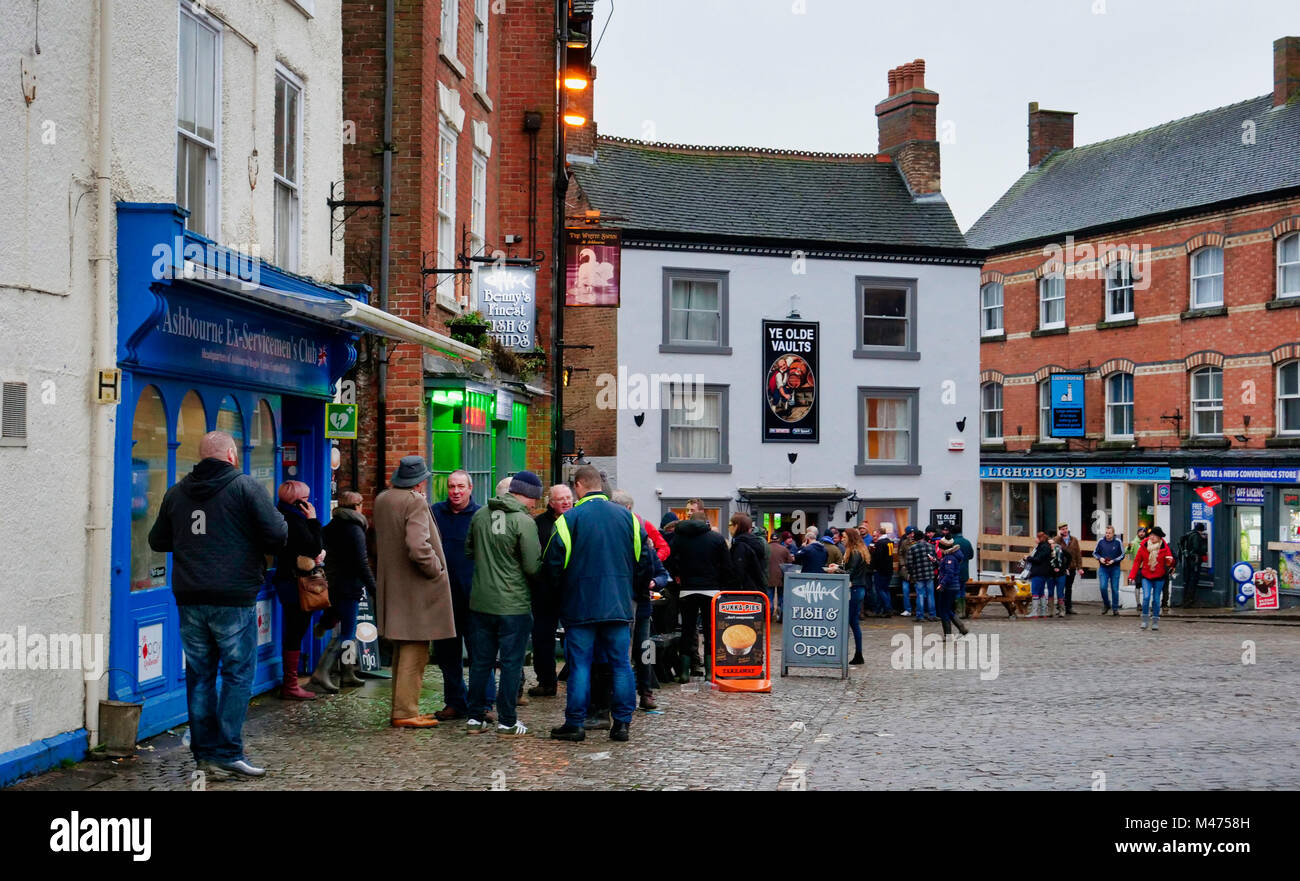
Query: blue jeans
[[1108, 577], [881, 581], [607, 641], [1151, 588], [213, 636], [925, 598], [449, 655], [490, 635], [1037, 584], [907, 599], [1055, 586], [642, 648], [347, 612], [856, 595]]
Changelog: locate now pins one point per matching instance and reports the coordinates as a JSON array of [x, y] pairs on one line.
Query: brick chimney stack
[[1049, 131], [907, 127], [1286, 70]]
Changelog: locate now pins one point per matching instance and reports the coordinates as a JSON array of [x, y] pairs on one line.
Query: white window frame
[[1113, 405], [292, 259], [1191, 271], [1119, 277], [481, 46], [986, 411], [1044, 284], [1045, 414], [910, 463], [1280, 398], [449, 24], [987, 309], [1282, 242], [446, 235], [674, 392], [1206, 405], [212, 220]]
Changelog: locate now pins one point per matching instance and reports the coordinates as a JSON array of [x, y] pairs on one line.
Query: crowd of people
[[486, 581]]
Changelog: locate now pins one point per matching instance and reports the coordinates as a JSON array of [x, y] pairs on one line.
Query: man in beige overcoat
[[414, 590]]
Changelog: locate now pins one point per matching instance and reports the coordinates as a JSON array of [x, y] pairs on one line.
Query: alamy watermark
[[55, 651], [1099, 262], [628, 390], [192, 260], [930, 651]]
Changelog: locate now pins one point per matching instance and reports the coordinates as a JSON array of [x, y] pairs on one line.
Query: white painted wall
[[760, 287], [46, 298]]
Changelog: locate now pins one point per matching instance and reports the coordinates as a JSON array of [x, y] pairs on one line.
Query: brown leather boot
[[290, 690]]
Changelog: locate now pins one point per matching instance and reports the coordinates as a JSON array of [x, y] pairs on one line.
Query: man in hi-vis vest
[[597, 559]]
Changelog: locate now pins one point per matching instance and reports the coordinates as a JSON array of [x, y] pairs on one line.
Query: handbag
[[313, 589]]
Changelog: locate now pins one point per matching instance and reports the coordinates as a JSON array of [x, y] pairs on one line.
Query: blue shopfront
[[207, 341]]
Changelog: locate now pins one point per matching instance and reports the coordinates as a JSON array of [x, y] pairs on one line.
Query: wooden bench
[[1010, 600]]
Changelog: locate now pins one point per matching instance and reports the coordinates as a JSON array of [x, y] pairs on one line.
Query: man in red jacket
[[1154, 563]]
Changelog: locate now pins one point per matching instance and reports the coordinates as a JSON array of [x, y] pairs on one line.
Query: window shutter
[[13, 411]]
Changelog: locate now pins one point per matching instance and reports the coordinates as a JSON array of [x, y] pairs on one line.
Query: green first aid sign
[[341, 421]]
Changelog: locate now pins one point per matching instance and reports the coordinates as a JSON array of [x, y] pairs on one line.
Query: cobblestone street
[[1171, 710]]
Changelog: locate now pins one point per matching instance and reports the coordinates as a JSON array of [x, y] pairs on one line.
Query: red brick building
[[1163, 267], [474, 133]]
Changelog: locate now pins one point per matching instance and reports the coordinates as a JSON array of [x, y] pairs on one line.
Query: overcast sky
[[758, 73]]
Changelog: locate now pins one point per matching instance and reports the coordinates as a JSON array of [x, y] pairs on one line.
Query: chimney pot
[[919, 65], [908, 76], [893, 82]]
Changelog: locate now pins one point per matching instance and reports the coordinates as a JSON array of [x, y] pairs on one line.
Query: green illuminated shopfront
[[476, 427]]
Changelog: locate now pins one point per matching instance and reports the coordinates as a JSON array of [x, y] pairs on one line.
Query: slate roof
[[846, 199], [1189, 163]]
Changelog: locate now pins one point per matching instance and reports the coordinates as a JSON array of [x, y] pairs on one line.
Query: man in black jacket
[[546, 611], [218, 523], [1192, 547], [701, 565]]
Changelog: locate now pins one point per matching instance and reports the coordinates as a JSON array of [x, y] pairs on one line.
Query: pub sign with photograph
[[790, 381]]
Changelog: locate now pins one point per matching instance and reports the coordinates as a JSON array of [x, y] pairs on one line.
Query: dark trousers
[[884, 604], [1191, 579], [1069, 591], [546, 618], [643, 654], [449, 653], [695, 607], [945, 602]]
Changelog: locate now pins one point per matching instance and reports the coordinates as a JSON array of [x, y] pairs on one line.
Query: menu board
[[815, 622], [740, 637]]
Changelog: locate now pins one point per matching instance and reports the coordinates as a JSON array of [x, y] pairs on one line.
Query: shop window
[[1207, 278], [445, 447], [991, 508], [1096, 510], [1142, 506], [695, 317], [991, 309], [478, 444], [1288, 398], [1207, 402], [1051, 302], [888, 441], [887, 317], [288, 122], [1288, 266], [517, 437], [231, 421], [1018, 509], [1119, 406], [893, 517], [191, 425], [261, 462], [1046, 507], [717, 510], [148, 485], [1119, 292], [1247, 533], [198, 117], [991, 412], [1288, 515]]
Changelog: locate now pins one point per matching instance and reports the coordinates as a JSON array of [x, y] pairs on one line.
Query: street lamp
[[852, 505]]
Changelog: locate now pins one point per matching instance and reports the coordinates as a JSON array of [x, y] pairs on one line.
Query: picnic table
[[978, 596]]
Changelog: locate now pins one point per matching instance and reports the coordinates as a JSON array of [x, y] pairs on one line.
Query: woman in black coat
[[304, 546], [347, 568], [1040, 574]]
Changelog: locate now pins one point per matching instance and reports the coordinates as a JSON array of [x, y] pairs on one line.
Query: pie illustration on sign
[[739, 639]]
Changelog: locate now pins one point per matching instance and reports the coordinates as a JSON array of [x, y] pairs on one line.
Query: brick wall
[[1161, 341]]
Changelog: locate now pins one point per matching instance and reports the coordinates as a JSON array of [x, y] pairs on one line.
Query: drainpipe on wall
[[560, 184], [104, 355], [385, 240]]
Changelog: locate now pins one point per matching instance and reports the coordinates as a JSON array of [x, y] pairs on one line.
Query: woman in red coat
[[1153, 564]]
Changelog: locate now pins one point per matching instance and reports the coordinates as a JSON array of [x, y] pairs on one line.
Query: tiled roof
[[1185, 164], [849, 199]]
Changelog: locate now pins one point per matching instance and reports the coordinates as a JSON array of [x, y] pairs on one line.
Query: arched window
[[1119, 291], [991, 412], [231, 421], [1051, 302], [148, 484], [991, 309], [1288, 266], [1207, 278], [1207, 402], [191, 425], [1288, 398], [1119, 406], [261, 463]]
